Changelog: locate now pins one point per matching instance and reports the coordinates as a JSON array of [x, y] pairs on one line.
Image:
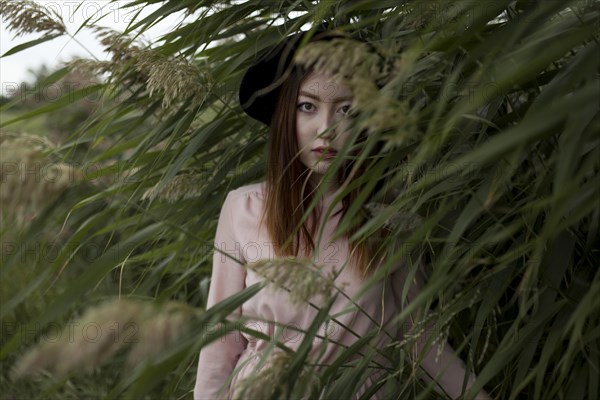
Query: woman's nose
[[327, 126]]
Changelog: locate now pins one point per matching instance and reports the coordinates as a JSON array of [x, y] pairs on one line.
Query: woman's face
[[321, 104]]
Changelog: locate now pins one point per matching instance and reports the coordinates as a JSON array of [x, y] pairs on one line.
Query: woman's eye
[[306, 107], [345, 109]]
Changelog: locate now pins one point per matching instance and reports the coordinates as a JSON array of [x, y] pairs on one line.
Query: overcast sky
[[14, 68]]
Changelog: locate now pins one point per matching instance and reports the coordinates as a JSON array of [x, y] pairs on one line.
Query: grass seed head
[[159, 331], [181, 187], [26, 17], [343, 58], [298, 275], [93, 339], [263, 383], [104, 330], [30, 180], [173, 77]]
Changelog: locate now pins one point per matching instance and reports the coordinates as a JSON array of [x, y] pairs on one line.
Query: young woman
[[307, 114]]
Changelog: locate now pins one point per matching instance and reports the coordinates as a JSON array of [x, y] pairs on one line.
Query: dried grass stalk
[[262, 384], [175, 78], [26, 16], [30, 180], [298, 275], [344, 58], [160, 331], [93, 339], [103, 331], [181, 187]]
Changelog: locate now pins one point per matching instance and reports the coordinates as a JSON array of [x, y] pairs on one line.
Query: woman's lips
[[324, 152]]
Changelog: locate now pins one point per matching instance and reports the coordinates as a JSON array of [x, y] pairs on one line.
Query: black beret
[[262, 81]]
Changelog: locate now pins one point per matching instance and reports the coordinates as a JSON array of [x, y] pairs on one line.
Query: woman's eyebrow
[[315, 97]]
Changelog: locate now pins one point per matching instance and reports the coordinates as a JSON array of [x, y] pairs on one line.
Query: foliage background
[[493, 106]]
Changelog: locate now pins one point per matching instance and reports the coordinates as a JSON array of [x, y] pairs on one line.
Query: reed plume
[[25, 17]]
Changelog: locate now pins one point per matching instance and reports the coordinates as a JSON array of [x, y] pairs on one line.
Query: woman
[[307, 113]]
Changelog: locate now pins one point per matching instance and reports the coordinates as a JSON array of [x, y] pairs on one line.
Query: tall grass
[[489, 115]]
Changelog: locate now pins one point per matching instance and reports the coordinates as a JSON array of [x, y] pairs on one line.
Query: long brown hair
[[288, 195]]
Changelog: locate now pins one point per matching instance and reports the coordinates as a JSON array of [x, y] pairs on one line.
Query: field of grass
[[34, 126]]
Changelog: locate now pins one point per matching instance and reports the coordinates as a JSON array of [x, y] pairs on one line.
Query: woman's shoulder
[[247, 199], [245, 205], [255, 190]]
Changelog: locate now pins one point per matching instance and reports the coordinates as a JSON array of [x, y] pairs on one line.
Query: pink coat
[[235, 356]]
